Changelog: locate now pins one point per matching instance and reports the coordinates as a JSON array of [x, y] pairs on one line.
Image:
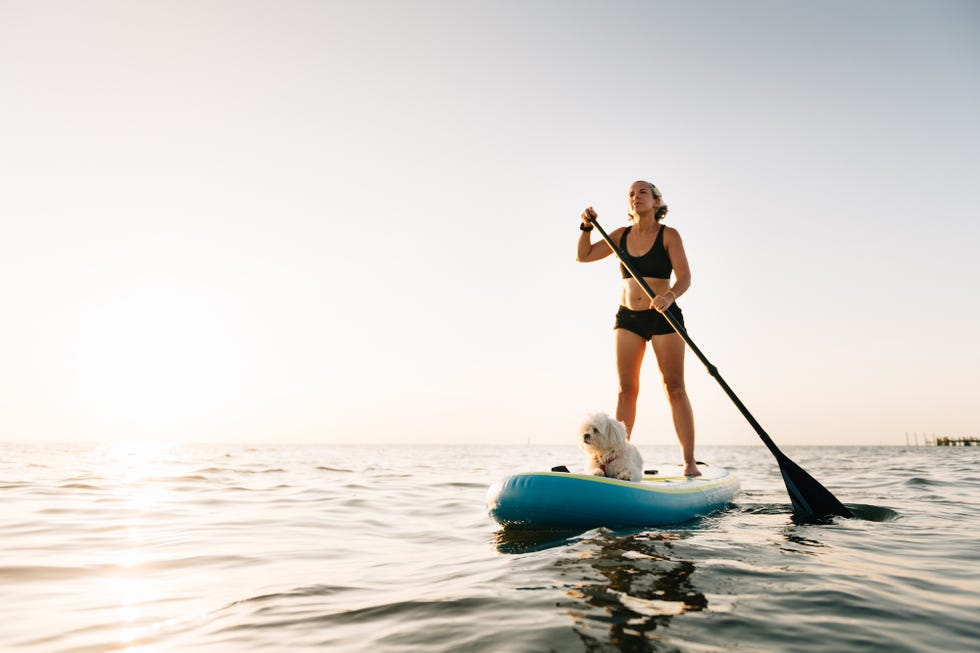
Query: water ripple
[[387, 549]]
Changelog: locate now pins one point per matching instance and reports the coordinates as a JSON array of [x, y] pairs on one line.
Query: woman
[[654, 250]]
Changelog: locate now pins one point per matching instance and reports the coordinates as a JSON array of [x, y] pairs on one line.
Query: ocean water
[[273, 548]]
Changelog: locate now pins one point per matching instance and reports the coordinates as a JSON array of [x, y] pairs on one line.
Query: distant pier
[[943, 441]]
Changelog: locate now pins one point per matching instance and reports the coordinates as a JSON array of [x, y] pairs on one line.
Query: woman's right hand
[[588, 215], [587, 250]]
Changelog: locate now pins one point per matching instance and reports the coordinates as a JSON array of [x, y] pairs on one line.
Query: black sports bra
[[655, 263]]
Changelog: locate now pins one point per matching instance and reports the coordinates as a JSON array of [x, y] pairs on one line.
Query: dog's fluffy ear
[[616, 431]]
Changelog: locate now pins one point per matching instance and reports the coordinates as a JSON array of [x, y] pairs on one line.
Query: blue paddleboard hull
[[553, 500]]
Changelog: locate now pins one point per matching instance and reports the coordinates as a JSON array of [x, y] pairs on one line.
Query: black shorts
[[649, 323]]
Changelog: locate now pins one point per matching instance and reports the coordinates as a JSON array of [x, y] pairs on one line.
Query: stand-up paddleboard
[[557, 500]]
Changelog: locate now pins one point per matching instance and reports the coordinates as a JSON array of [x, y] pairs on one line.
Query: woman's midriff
[[634, 297]]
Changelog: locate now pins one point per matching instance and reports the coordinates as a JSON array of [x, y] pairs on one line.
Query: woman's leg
[[670, 358], [629, 356]]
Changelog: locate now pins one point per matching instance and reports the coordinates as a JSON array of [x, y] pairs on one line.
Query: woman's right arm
[[587, 250]]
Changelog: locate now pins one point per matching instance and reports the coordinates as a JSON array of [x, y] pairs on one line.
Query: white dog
[[604, 439]]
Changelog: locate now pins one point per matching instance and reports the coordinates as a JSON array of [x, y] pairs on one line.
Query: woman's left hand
[[663, 301]]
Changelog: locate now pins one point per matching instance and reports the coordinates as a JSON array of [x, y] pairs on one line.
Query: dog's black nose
[[585, 438]]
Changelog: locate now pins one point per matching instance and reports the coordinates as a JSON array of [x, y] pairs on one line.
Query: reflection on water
[[523, 540], [637, 588], [635, 583]]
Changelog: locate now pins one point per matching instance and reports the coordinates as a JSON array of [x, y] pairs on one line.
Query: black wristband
[[584, 228]]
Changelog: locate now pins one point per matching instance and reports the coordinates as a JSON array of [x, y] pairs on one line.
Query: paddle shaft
[[799, 483]]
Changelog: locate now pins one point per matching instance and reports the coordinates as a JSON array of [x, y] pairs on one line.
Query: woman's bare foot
[[691, 469]]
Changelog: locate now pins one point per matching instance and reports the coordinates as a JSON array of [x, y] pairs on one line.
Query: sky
[[355, 222]]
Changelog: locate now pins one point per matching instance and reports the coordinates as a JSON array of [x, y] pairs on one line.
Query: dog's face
[[601, 433]]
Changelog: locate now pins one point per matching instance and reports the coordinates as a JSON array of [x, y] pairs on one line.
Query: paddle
[[809, 498]]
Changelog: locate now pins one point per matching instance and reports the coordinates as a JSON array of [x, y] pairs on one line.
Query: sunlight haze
[[349, 222]]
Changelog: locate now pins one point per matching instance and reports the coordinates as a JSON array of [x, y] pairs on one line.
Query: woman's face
[[641, 198]]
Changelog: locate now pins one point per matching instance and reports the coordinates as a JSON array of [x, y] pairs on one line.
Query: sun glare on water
[[132, 469]]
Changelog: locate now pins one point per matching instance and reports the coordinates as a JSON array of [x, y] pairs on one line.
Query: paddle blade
[[809, 498]]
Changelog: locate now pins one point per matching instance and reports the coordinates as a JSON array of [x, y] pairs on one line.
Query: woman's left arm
[[682, 270]]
